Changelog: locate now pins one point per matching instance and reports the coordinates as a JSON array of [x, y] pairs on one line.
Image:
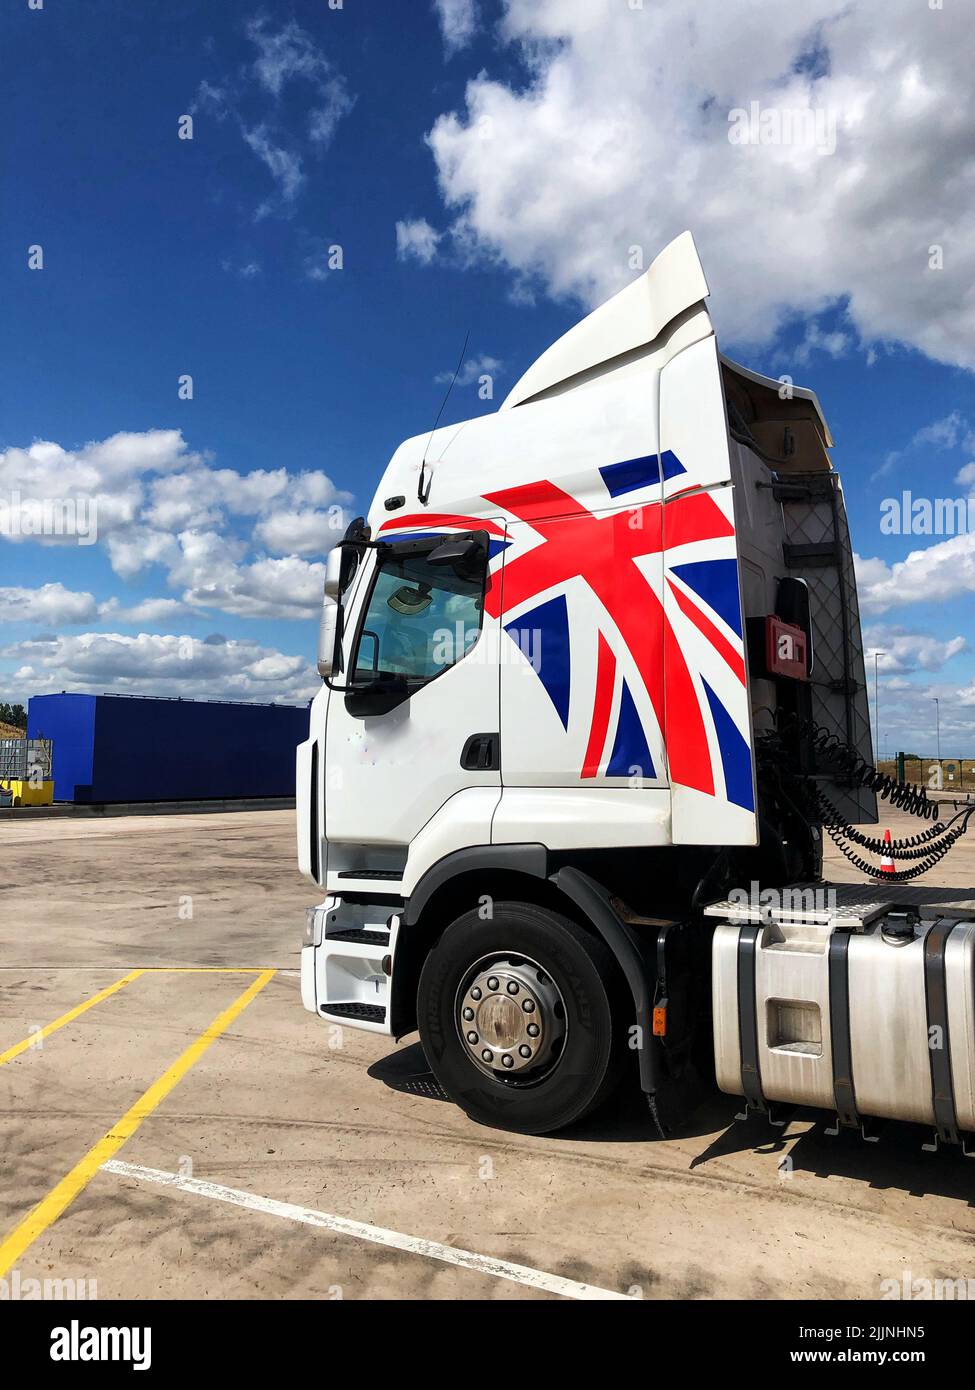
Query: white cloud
[[149, 610], [290, 54], [50, 603], [966, 476], [834, 343], [283, 165], [417, 240], [905, 651], [301, 533], [103, 482], [619, 138], [244, 269], [944, 434], [228, 540], [934, 574], [472, 370], [284, 56], [458, 22], [214, 575], [209, 668]]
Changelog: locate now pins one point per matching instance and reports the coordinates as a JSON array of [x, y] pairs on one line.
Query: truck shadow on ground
[[896, 1162], [625, 1117]]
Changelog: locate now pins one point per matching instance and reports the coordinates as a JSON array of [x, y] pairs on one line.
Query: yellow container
[[26, 793]]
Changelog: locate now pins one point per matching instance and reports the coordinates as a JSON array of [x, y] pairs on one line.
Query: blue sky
[[479, 175]]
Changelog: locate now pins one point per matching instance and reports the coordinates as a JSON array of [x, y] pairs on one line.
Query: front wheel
[[517, 1020]]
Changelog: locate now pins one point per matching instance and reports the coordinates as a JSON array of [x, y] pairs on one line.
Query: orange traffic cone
[[887, 862]]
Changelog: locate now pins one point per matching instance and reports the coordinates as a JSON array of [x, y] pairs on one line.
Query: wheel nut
[[512, 987], [528, 1005], [524, 1050], [472, 1037], [475, 993], [492, 982], [488, 1055], [468, 1014], [532, 1030], [507, 1060]]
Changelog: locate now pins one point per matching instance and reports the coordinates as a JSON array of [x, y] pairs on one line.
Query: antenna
[[421, 495]]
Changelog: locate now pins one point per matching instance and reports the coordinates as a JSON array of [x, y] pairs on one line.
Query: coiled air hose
[[922, 851]]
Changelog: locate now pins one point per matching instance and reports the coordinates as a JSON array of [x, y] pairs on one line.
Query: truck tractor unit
[[592, 690]]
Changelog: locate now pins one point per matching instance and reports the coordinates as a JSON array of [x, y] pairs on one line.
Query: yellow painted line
[[60, 1197], [69, 1017]]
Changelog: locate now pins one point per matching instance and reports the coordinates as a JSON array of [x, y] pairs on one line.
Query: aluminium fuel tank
[[867, 1018]]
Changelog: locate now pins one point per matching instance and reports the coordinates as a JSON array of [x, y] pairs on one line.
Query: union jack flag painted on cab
[[663, 578]]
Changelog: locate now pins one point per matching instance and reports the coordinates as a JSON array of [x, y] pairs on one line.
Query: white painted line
[[412, 1245]]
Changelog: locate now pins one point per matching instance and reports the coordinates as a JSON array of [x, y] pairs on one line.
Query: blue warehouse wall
[[124, 748], [70, 721]]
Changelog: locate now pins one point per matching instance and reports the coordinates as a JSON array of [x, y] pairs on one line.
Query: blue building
[[133, 748]]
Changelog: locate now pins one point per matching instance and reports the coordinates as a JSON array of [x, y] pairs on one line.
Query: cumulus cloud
[[619, 139], [50, 603], [904, 651], [417, 241], [160, 665], [227, 540], [458, 22], [149, 610], [934, 574]]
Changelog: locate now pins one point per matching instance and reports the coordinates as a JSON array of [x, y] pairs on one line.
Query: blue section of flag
[[716, 581], [631, 754], [641, 472], [542, 634], [736, 756]]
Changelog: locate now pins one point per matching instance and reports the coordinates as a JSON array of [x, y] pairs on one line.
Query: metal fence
[[24, 758], [935, 774]]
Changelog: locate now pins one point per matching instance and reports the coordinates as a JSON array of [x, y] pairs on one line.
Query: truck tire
[[517, 1018]]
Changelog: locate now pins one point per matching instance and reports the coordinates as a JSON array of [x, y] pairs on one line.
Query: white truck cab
[[577, 662]]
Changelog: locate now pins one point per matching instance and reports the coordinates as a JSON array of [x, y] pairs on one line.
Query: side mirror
[[327, 633], [333, 572]]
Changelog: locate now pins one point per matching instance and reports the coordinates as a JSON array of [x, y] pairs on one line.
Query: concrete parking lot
[[310, 1162]]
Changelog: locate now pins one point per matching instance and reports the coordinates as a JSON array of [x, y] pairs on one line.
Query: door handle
[[482, 753]]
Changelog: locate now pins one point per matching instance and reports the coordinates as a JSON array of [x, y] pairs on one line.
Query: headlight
[[314, 918]]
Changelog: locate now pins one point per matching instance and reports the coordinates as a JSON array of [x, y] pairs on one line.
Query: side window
[[420, 619]]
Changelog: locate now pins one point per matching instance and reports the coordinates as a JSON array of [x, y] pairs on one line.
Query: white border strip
[[412, 1245]]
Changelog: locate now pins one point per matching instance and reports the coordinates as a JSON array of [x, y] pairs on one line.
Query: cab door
[[391, 765]]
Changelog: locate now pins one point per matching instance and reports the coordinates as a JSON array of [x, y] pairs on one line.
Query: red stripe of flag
[[602, 707], [704, 624], [432, 521]]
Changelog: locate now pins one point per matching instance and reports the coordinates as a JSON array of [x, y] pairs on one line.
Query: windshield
[[420, 619]]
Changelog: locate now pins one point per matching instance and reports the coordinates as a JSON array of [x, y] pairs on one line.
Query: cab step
[[364, 936], [363, 1013]]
